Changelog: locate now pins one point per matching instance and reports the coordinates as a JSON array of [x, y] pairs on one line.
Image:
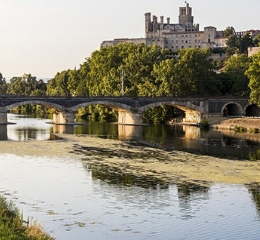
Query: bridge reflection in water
[[175, 137], [3, 132]]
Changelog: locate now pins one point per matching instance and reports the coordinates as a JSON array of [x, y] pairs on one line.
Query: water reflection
[[3, 132], [255, 193], [26, 128], [76, 199], [187, 194], [112, 176], [175, 137], [63, 129]]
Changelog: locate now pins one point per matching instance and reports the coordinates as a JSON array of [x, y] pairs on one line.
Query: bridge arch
[[252, 110], [232, 109], [192, 112], [115, 105], [61, 116], [36, 102], [126, 113]]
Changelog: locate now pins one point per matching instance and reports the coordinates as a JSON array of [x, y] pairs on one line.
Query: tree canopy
[[149, 71], [238, 44], [253, 73], [142, 71]]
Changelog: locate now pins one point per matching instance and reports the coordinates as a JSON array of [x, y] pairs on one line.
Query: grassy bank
[[12, 226]]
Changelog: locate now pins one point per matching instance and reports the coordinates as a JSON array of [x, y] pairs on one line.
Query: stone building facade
[[184, 34]]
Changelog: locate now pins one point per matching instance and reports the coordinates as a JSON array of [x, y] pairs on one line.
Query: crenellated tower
[[148, 23], [185, 16]]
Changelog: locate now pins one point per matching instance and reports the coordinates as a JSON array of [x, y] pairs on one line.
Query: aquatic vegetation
[[254, 130], [240, 129]]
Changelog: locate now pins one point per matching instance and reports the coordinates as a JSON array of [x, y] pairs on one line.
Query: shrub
[[239, 129], [12, 225], [254, 130], [204, 124]]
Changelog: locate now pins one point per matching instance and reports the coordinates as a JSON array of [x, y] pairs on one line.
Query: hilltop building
[[184, 34]]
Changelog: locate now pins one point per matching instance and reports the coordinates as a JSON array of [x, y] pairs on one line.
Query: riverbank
[[230, 124], [124, 158], [12, 225]]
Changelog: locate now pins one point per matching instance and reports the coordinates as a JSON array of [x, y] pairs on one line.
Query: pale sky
[[43, 37]]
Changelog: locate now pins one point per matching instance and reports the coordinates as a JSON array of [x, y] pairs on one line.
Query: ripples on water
[[74, 202]]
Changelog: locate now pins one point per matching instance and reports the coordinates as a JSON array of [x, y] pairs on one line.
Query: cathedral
[[174, 36]]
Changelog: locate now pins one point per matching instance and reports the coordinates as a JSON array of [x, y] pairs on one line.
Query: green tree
[[256, 40], [245, 42], [164, 72], [3, 84], [232, 45], [104, 74], [191, 72], [17, 86], [229, 31], [26, 85], [236, 82], [83, 86], [58, 86], [136, 61], [253, 73], [194, 71]]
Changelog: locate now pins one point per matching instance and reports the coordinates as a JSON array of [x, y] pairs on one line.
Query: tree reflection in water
[[111, 175], [254, 189]]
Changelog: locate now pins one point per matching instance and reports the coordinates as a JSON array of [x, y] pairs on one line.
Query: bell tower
[[185, 16]]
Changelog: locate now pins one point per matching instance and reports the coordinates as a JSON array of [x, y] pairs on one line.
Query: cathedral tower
[[185, 16]]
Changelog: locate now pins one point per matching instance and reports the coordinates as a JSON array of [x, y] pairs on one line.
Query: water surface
[[74, 202]]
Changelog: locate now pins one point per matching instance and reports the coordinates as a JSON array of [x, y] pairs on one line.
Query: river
[[74, 201]]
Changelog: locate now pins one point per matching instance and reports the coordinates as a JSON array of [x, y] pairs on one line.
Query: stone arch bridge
[[130, 109]]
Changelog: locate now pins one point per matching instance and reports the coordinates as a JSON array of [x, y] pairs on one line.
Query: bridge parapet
[[130, 108]]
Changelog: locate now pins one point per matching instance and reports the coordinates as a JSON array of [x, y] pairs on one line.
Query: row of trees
[[24, 85], [147, 71]]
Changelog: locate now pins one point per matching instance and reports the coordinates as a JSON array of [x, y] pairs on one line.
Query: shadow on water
[[254, 190]]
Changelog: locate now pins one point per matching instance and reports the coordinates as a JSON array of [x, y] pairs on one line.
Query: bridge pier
[[63, 117], [192, 116], [3, 115], [130, 118]]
